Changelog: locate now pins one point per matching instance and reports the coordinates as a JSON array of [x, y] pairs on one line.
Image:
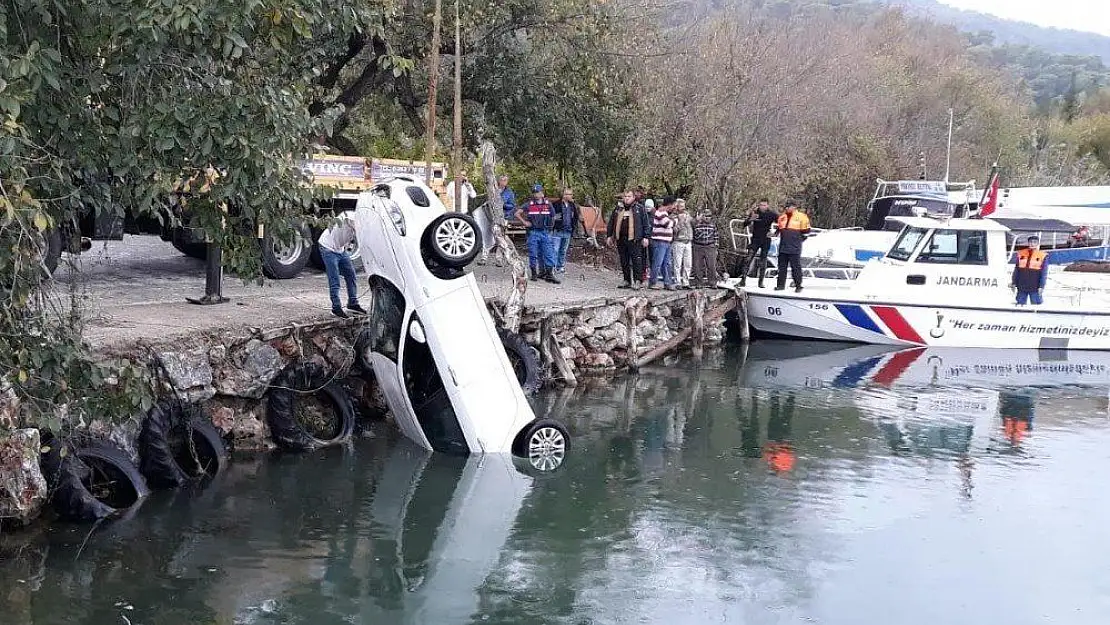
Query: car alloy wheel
[[546, 447], [455, 238]]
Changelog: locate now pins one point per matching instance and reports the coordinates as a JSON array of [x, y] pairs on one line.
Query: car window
[[418, 197], [389, 317], [956, 247], [429, 398]]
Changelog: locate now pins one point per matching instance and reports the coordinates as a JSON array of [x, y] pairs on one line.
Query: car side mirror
[[416, 331]]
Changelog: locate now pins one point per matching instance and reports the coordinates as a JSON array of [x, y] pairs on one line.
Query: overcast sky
[[1090, 15]]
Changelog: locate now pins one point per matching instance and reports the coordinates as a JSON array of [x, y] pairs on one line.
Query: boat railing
[[738, 232]]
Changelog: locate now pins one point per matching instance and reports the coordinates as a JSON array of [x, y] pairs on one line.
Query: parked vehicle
[[433, 347]]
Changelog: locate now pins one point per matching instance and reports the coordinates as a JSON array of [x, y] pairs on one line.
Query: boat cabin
[[918, 198]]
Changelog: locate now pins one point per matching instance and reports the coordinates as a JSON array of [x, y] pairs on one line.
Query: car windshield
[[907, 242], [389, 314]]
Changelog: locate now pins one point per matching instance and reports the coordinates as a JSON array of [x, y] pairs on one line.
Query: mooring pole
[[213, 278]]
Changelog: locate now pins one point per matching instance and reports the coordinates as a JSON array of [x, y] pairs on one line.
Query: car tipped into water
[[435, 351]]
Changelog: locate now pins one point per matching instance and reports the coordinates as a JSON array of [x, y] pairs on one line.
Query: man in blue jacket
[[508, 198], [536, 216], [565, 223]]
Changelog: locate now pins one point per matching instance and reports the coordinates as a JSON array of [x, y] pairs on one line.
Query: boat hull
[[825, 317]]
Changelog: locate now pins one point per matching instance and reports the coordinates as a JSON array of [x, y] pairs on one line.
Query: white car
[[431, 343]]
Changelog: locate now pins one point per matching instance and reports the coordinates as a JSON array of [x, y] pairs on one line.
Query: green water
[[786, 484]]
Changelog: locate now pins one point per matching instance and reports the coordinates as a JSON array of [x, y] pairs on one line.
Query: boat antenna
[[948, 159]]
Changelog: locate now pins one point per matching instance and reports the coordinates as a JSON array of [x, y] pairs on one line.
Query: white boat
[[941, 284]]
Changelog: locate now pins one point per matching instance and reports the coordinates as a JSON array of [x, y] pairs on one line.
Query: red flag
[[989, 203]]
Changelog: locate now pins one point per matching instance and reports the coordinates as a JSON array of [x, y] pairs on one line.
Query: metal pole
[[433, 83], [948, 161], [213, 278]]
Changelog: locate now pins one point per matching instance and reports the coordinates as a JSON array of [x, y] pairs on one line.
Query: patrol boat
[[941, 284]]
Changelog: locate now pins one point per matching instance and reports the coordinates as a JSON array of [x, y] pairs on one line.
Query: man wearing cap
[[1030, 273], [536, 216], [793, 226]]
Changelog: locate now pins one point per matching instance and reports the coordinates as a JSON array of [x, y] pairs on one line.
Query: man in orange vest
[[1030, 273], [793, 226]]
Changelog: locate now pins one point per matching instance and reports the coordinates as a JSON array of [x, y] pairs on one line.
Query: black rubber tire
[[165, 457], [52, 255], [198, 251], [520, 444], [442, 257], [525, 360], [274, 268], [307, 379], [69, 475]]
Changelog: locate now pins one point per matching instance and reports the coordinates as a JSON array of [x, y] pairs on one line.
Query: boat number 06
[[773, 311]]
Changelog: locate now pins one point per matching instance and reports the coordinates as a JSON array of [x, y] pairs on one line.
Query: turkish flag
[[989, 203]]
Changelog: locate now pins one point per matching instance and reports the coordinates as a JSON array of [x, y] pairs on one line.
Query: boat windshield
[[907, 242]]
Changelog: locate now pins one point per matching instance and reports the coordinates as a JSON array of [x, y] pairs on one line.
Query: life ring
[[90, 479], [177, 444], [525, 360], [309, 390]]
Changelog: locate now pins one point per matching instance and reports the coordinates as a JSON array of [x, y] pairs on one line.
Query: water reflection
[[786, 483]]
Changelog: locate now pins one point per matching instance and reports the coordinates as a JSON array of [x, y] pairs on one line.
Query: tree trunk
[[433, 83], [456, 139], [513, 306]]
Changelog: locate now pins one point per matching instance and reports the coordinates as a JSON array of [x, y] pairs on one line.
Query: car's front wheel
[[452, 240]]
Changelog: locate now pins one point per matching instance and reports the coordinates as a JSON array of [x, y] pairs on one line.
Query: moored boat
[[942, 284]]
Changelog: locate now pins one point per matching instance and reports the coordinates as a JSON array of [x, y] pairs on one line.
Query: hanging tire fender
[[525, 360], [66, 467], [306, 379], [201, 451]]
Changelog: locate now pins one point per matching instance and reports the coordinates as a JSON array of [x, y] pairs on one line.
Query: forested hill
[[1012, 32]]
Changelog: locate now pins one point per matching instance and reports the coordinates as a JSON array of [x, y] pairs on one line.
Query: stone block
[[341, 354], [582, 331], [22, 486], [647, 328], [187, 369], [289, 347], [607, 315], [243, 422], [597, 361], [248, 372]]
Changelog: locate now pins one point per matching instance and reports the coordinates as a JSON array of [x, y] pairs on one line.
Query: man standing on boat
[[1030, 273], [793, 226], [761, 219]]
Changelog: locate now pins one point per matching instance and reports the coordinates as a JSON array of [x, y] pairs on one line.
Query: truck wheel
[[285, 260], [317, 261], [192, 250], [452, 240]]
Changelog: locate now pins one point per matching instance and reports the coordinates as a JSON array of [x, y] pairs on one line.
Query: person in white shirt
[[333, 245], [468, 193]]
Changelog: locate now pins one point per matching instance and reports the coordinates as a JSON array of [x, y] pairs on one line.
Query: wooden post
[[433, 84], [561, 365], [742, 312], [697, 312]]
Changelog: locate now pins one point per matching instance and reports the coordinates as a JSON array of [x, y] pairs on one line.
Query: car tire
[[525, 360], [282, 261], [52, 252], [75, 471], [452, 240], [298, 381], [179, 444], [198, 251], [544, 444]]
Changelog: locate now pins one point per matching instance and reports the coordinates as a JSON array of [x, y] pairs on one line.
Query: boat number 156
[[816, 306]]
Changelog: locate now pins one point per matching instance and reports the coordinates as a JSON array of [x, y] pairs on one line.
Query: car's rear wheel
[[453, 240]]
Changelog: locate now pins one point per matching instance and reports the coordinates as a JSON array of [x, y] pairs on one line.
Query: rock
[[187, 370], [646, 328], [664, 311], [9, 406], [567, 352], [607, 315], [217, 355], [123, 434], [341, 354], [583, 331], [559, 320], [564, 335], [241, 421], [248, 372], [597, 361], [290, 348], [22, 486]]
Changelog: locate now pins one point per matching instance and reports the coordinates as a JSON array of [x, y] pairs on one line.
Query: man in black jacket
[[630, 228], [761, 219]]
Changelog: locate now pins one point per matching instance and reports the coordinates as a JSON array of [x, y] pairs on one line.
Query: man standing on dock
[[1030, 273], [333, 244], [793, 226], [706, 240], [508, 198], [662, 234], [760, 220], [537, 217], [629, 228]]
